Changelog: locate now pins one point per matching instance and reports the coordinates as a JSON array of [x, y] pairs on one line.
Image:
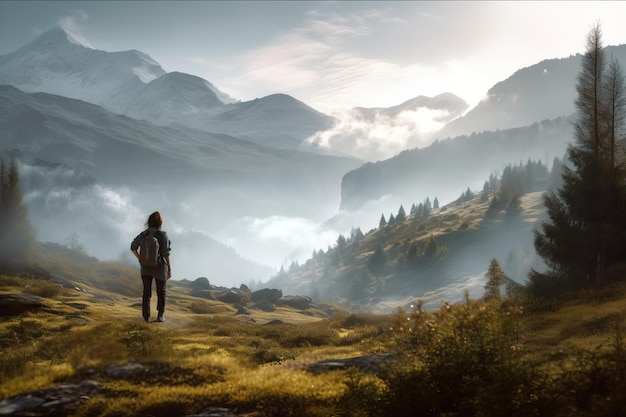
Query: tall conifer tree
[[581, 238], [16, 235]]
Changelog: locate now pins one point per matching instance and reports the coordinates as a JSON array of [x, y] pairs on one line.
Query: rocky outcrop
[[270, 294], [264, 305], [54, 401], [15, 304], [299, 302], [201, 283]]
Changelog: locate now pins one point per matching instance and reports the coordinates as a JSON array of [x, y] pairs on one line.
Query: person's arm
[[169, 267], [134, 246], [165, 252]]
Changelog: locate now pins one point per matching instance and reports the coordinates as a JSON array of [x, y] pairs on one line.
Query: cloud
[[71, 24], [368, 58], [277, 240], [316, 61], [380, 137], [72, 21]]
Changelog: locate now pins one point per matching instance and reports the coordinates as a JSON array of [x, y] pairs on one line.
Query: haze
[[332, 56]]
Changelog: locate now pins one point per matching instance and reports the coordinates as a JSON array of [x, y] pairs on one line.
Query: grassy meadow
[[476, 358]]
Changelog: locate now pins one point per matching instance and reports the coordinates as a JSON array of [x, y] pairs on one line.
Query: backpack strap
[[159, 235]]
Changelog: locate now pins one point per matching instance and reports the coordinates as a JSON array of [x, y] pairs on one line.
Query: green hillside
[[416, 254]]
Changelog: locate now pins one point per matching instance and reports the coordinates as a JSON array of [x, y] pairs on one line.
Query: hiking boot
[[146, 319], [160, 319]]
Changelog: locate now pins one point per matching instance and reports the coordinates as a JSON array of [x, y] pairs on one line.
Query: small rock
[[116, 371], [215, 412], [243, 310], [19, 403]]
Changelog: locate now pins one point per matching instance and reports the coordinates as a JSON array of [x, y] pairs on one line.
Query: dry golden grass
[[204, 355]]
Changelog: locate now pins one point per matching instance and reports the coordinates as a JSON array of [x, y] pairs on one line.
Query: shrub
[[200, 307], [464, 359]]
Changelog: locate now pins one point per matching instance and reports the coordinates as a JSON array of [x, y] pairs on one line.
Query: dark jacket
[[159, 272]]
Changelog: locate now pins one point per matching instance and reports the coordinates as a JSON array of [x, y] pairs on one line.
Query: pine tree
[[495, 279], [427, 208], [16, 235], [435, 203], [585, 232], [382, 223], [420, 210], [401, 214]]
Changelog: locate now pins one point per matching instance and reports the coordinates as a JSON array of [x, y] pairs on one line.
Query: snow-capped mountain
[[58, 63], [133, 84]]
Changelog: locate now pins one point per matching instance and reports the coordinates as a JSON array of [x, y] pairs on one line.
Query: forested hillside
[[424, 248]]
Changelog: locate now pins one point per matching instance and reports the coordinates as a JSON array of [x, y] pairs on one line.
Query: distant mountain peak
[[76, 38], [130, 82], [57, 38]]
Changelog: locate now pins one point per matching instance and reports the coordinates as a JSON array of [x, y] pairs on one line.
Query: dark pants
[[147, 294]]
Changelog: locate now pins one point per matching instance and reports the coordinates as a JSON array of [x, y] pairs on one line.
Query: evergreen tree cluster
[[421, 211], [16, 235], [584, 238], [515, 181]]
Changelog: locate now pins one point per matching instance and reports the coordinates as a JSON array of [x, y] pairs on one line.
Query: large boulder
[[14, 304], [201, 283], [230, 297], [270, 294]]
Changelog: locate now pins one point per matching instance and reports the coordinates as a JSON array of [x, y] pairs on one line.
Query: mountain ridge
[[229, 177], [545, 90], [133, 84], [454, 104]]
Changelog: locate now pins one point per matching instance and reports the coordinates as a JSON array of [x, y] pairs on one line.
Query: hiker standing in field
[[152, 249]]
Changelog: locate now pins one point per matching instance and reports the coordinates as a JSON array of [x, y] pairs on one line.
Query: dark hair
[[155, 220]]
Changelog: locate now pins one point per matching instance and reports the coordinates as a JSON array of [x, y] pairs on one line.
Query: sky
[[332, 55]]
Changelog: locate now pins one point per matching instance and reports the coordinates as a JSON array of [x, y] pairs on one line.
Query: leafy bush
[[464, 359]]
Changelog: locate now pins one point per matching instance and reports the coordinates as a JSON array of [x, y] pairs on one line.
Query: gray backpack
[[149, 250]]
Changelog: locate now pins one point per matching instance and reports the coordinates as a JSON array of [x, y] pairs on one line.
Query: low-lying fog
[[73, 209]]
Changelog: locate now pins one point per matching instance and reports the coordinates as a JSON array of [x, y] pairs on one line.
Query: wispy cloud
[[338, 61], [71, 24], [381, 137], [277, 240]]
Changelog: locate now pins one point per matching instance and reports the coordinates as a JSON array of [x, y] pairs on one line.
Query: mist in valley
[[248, 188], [239, 227]]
